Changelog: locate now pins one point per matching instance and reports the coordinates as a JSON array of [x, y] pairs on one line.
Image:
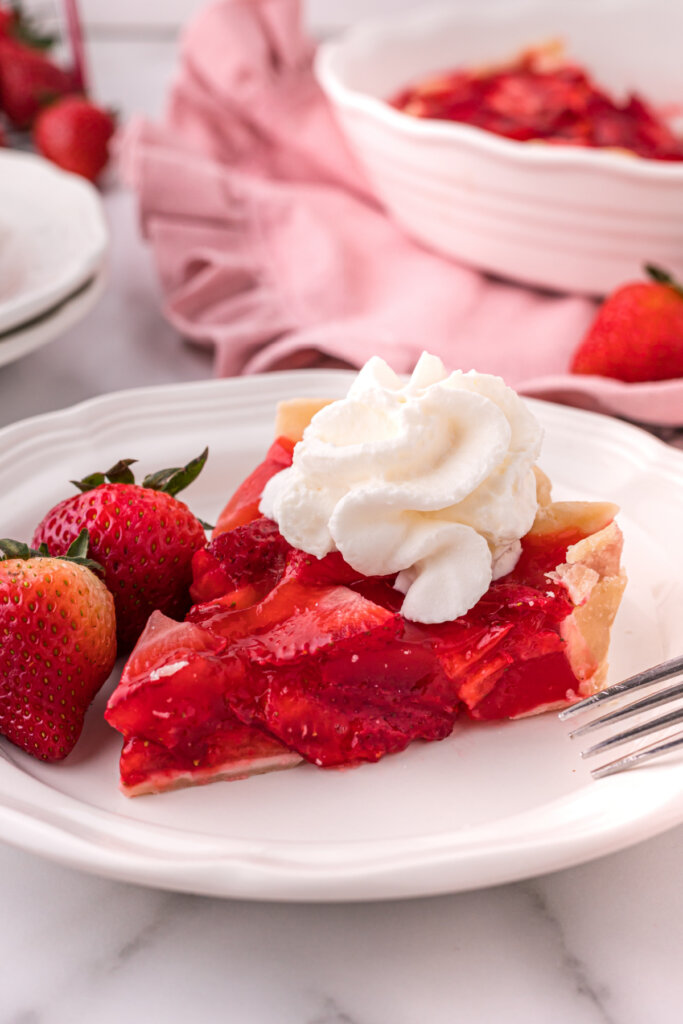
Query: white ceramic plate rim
[[52, 324], [38, 818], [331, 79], [70, 191]]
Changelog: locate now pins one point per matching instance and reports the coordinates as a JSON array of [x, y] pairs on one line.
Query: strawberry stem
[[661, 276], [119, 473], [171, 481], [77, 552], [24, 31], [176, 479]]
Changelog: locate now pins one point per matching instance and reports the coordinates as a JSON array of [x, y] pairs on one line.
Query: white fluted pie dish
[[560, 217]]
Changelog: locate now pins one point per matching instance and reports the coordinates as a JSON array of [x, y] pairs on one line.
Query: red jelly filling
[[527, 100], [285, 654]]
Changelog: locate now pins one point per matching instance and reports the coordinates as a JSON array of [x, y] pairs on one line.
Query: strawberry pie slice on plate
[[495, 800], [293, 653]]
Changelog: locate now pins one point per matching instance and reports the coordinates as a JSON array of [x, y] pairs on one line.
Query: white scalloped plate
[[488, 805], [53, 236]]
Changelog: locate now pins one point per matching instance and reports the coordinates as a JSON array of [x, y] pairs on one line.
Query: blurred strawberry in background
[[28, 81], [637, 334], [75, 134], [7, 17], [39, 96]]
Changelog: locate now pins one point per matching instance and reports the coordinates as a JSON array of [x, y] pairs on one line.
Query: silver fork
[[669, 694]]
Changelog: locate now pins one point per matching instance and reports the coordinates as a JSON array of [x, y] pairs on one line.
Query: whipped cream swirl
[[431, 480]]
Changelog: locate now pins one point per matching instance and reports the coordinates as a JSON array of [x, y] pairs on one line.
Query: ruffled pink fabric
[[271, 248]]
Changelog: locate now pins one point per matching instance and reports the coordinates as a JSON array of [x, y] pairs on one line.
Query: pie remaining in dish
[[287, 657], [540, 96]]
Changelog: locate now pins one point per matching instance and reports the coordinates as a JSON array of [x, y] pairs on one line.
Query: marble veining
[[75, 949], [580, 973], [145, 936]]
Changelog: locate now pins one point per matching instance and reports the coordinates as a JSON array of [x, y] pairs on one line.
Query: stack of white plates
[[53, 245]]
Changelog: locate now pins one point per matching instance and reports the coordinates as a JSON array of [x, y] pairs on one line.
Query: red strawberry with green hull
[[142, 535], [75, 134], [638, 333], [20, 26], [28, 81], [57, 645]]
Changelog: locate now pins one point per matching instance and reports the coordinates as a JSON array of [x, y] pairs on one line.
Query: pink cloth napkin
[[268, 241]]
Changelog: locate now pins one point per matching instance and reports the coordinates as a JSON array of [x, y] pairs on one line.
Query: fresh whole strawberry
[[57, 645], [28, 81], [142, 535], [637, 334], [75, 134]]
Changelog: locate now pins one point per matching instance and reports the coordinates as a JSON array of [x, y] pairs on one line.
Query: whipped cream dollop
[[431, 480]]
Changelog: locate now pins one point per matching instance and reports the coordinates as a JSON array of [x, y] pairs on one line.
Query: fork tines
[[669, 695]]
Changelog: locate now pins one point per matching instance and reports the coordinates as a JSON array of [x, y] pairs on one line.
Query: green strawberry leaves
[[77, 552], [17, 549], [120, 473], [661, 276], [176, 479], [170, 481], [24, 30]]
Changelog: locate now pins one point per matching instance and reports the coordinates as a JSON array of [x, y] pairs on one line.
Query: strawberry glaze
[[308, 657]]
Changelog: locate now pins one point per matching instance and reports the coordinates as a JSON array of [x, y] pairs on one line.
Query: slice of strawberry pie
[[289, 655]]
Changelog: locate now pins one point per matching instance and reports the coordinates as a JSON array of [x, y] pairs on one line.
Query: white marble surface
[[598, 944]]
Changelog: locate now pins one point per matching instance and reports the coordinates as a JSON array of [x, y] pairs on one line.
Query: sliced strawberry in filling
[[173, 684], [360, 701], [325, 617], [323, 571], [294, 628], [171, 707], [244, 504], [528, 686], [250, 556], [511, 625], [306, 617], [289, 656], [330, 674]]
